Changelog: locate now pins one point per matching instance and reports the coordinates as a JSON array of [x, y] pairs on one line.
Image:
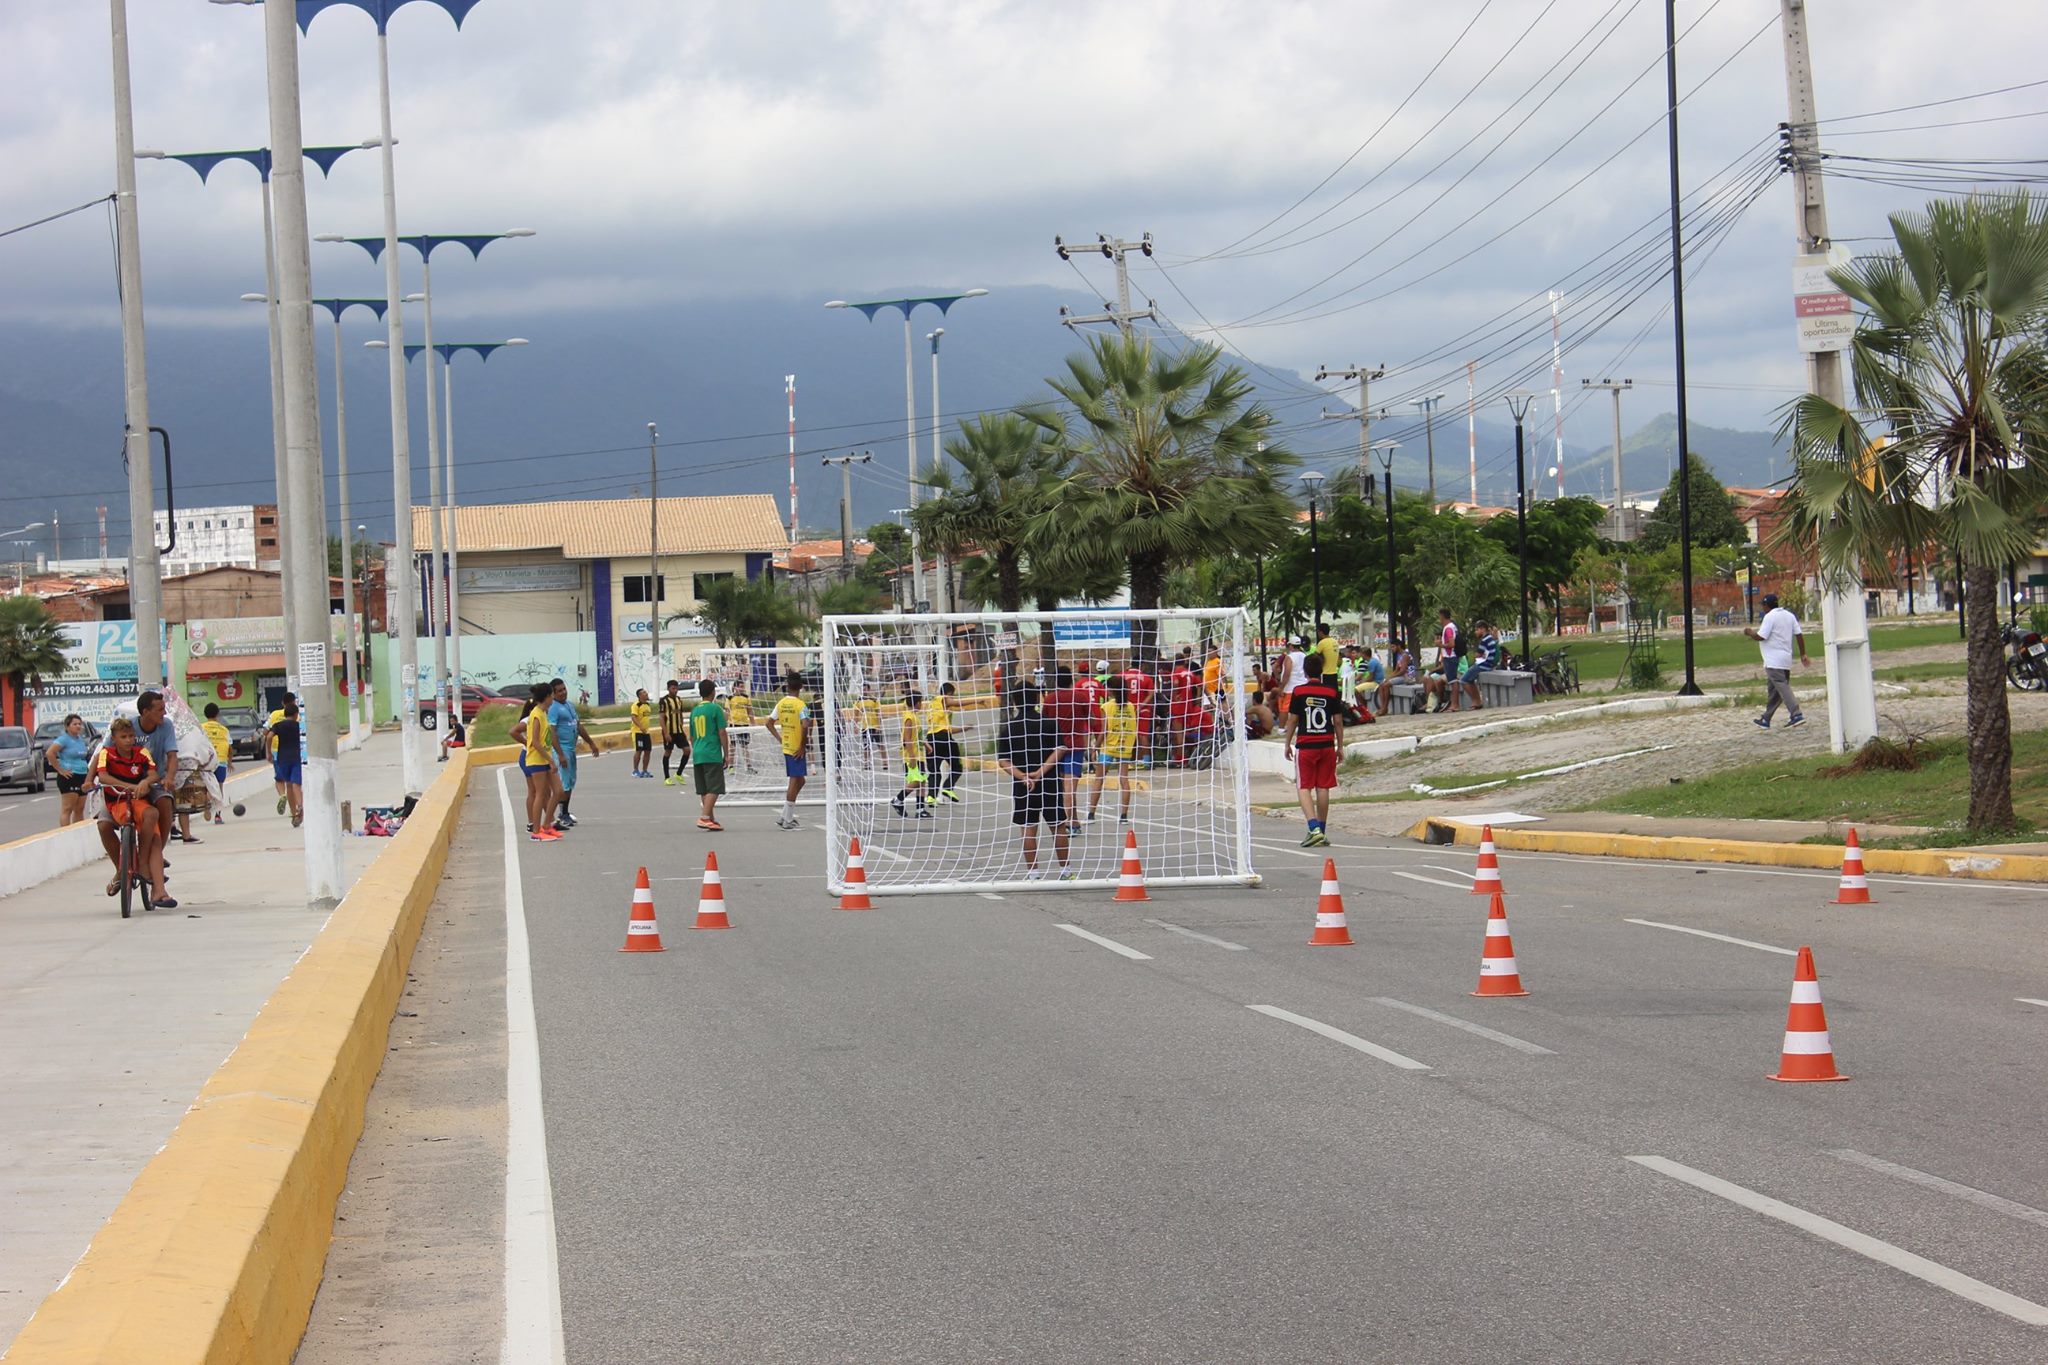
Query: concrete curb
[[1962, 863], [33, 860], [217, 1250]]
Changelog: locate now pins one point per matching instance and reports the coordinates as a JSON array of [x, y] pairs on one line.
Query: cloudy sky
[[1385, 182]]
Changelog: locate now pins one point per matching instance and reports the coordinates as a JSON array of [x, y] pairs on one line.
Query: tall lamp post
[[482, 351], [1518, 401], [907, 306], [943, 598], [1312, 480], [369, 664], [1386, 450], [426, 244]]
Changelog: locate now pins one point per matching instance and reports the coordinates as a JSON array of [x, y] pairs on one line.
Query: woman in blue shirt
[[69, 754]]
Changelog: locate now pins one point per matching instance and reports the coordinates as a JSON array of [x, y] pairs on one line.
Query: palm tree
[[1006, 467], [1951, 380], [31, 647], [1169, 464], [738, 611]]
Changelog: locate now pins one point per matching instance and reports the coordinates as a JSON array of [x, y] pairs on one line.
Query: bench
[[1404, 699], [1500, 687]]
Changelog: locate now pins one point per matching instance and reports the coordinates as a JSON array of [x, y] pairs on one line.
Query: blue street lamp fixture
[[907, 306], [438, 625]]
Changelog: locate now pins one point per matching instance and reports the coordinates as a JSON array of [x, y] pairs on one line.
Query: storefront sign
[[249, 635], [520, 578], [102, 650]]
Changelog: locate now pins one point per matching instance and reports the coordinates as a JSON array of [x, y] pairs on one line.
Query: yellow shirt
[[1326, 649], [936, 720], [1119, 730], [540, 738], [912, 737], [643, 716], [868, 713], [276, 718], [222, 741], [1212, 676], [739, 709], [789, 723]]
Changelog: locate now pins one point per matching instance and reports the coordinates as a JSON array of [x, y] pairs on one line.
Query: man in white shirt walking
[[1778, 634]]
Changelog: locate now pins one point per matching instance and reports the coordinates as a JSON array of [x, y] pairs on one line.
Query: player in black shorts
[[675, 732], [1029, 750]]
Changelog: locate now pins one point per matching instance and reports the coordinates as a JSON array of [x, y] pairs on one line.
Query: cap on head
[[1770, 599]]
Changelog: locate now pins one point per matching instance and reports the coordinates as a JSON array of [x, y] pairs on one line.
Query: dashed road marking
[[2011, 1208], [1203, 938], [1704, 933], [1109, 943], [1465, 886], [1337, 1035], [1504, 1039]]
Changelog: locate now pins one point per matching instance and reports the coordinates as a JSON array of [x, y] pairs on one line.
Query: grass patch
[[1936, 794], [1434, 780], [1938, 668], [493, 725]]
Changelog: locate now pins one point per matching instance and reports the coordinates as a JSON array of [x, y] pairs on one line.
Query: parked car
[[20, 764], [475, 697], [46, 735], [245, 731]]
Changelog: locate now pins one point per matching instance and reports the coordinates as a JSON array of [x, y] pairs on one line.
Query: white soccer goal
[[1166, 761]]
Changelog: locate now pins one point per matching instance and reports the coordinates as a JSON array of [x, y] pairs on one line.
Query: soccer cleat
[[951, 795], [924, 815], [1322, 840], [1032, 874], [1067, 874], [1091, 817], [1308, 840], [895, 805]]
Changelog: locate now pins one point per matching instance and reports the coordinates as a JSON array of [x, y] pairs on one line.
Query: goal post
[[1147, 706]]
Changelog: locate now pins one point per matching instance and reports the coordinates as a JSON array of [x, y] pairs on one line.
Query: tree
[[1006, 469], [1560, 530], [31, 647], [1169, 463], [1951, 390], [738, 610], [851, 597], [366, 552], [891, 553], [1713, 512]]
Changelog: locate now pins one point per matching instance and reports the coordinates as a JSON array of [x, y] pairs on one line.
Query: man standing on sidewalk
[[1777, 634]]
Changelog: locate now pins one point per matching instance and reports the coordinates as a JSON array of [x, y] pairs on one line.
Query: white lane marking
[[878, 851], [1337, 1035], [1703, 933], [1201, 938], [1862, 1243], [2011, 1208], [1465, 886], [533, 1276], [2029, 1000], [1504, 1039], [989, 896], [1295, 849], [1109, 943]]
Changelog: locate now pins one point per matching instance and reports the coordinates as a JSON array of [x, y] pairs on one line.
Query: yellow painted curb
[[1963, 863], [217, 1250]]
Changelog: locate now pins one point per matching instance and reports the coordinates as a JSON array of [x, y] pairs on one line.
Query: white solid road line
[[1337, 1035], [533, 1277], [2029, 1000], [1723, 938], [2011, 1208], [1109, 943], [1202, 938], [1464, 886], [989, 895], [1862, 1243], [1504, 1039]]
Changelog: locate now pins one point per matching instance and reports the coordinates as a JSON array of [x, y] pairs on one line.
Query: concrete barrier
[[218, 1248], [34, 860]]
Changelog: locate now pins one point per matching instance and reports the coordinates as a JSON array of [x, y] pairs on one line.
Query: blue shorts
[[287, 770], [220, 772], [530, 771], [795, 765], [569, 773], [1073, 763]]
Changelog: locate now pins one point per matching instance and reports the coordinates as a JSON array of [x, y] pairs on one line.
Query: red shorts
[[1316, 769]]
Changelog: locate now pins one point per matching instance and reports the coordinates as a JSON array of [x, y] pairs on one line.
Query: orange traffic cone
[[711, 900], [1329, 911], [1807, 1055], [642, 935], [1130, 884], [1486, 881], [855, 894], [1855, 886], [1498, 974]]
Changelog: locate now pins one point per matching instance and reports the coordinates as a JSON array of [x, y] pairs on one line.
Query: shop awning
[[214, 665]]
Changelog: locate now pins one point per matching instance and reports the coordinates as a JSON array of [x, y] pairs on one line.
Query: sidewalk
[[113, 1025]]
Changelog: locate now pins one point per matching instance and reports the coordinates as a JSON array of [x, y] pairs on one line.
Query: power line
[[62, 213]]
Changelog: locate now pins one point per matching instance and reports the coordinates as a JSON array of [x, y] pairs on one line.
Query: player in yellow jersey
[[790, 723], [940, 744], [642, 712], [1119, 748], [867, 718], [739, 718], [910, 743]]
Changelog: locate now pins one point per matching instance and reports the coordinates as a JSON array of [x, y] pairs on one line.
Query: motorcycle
[[2027, 666]]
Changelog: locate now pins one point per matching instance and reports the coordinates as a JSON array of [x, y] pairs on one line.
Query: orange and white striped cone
[[1855, 886], [1498, 972], [855, 894], [1330, 928], [642, 935], [1808, 1054], [1486, 881], [711, 900], [1130, 884]]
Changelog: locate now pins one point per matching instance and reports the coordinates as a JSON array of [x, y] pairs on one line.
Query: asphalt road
[[951, 1129], [23, 813]]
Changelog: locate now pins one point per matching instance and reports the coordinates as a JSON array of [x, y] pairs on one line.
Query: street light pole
[[1428, 406], [1518, 401], [483, 351], [1312, 480], [654, 593], [1691, 687], [1387, 449], [943, 598], [144, 571]]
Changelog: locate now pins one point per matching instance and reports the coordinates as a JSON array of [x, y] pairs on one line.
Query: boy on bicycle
[[126, 776]]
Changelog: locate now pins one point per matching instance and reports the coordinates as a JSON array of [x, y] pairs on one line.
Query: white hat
[[1102, 664]]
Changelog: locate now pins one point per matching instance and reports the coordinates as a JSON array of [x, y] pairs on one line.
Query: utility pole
[[1557, 381], [305, 540], [1617, 387], [1364, 375], [654, 593], [789, 387], [1852, 693], [846, 463], [144, 572], [1428, 406], [1691, 686], [1122, 314]]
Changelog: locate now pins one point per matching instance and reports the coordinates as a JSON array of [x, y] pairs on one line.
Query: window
[[636, 588], [700, 583]]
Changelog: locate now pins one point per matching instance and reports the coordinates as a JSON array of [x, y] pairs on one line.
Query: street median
[[218, 1248]]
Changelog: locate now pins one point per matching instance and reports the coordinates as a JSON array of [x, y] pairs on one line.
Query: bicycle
[[127, 841], [1556, 674]]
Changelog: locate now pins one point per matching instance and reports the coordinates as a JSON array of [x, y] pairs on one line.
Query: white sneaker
[[1033, 874]]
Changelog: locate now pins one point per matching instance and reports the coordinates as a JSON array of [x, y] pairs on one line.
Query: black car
[[245, 731], [20, 765], [46, 735]]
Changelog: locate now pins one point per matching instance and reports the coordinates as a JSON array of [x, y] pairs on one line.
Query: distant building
[[541, 567], [242, 537]]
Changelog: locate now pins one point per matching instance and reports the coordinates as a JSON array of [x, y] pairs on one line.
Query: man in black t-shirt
[[1315, 737], [1029, 750], [675, 732]]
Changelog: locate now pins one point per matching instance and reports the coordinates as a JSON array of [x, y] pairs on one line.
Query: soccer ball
[[241, 809]]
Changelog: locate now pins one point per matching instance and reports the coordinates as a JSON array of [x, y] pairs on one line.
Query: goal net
[[1135, 718], [749, 680]]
